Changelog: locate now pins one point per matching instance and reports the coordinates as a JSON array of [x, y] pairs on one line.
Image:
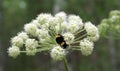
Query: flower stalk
[[65, 64]]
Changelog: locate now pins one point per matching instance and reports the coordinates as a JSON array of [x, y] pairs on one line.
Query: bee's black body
[[60, 40], [65, 45]]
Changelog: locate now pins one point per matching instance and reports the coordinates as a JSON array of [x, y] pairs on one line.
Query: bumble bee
[[60, 40]]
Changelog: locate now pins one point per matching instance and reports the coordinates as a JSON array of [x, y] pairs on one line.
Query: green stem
[[75, 42], [80, 37], [77, 49], [38, 50], [76, 33], [60, 28], [75, 46], [65, 64]]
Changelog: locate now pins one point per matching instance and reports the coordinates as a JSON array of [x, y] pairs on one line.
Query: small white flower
[[61, 16], [36, 23], [43, 18], [114, 18], [68, 37], [31, 51], [57, 53], [75, 18], [42, 33], [53, 21], [73, 26], [64, 25], [86, 47], [91, 29], [31, 44], [93, 38], [114, 13], [17, 41], [61, 26], [23, 35], [58, 28], [103, 27], [31, 29], [44, 26], [13, 51]]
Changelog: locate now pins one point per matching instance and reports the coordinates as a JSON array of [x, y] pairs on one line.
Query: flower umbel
[[58, 34]]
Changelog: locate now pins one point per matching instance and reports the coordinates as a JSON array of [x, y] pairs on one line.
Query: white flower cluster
[[86, 47], [58, 53], [92, 31], [31, 45], [14, 51], [31, 29], [110, 26], [55, 33]]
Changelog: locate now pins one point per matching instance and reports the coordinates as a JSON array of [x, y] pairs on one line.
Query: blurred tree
[[1, 23], [112, 53], [35, 7], [14, 12]]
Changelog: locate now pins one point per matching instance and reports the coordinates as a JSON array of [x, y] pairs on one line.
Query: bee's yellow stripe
[[62, 43], [57, 36]]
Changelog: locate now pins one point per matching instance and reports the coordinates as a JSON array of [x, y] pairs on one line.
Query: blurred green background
[[15, 13]]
